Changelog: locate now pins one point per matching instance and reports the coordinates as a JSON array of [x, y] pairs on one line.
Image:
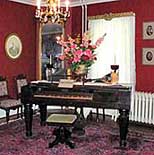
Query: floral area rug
[[100, 138]]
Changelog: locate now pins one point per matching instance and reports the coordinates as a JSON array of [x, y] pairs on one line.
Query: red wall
[[144, 12], [76, 21], [68, 25], [17, 18]]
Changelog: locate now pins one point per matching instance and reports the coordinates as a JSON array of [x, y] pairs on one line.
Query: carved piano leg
[[28, 113], [123, 126], [43, 114]]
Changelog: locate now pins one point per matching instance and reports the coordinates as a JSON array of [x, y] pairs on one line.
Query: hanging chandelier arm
[[53, 12]]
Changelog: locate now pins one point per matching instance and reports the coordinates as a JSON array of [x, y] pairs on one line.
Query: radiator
[[142, 107]]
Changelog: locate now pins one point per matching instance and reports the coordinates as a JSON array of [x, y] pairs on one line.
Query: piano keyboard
[[69, 96]]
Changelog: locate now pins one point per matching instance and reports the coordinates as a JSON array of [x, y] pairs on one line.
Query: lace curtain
[[118, 47]]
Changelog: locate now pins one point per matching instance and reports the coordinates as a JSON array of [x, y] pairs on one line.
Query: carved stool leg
[[56, 132], [63, 135]]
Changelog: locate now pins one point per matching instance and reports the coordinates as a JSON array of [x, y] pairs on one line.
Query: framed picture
[[148, 56], [13, 46], [148, 30]]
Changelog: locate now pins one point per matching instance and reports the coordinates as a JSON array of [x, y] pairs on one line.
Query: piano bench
[[62, 133]]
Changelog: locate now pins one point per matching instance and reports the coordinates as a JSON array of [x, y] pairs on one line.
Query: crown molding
[[25, 2], [88, 2], [73, 3]]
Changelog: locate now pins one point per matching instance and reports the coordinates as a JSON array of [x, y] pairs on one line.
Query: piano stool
[[62, 133]]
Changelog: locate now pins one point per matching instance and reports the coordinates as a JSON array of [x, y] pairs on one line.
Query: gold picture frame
[[148, 56], [13, 46], [148, 30]]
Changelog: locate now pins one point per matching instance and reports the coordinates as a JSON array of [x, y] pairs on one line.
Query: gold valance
[[109, 16]]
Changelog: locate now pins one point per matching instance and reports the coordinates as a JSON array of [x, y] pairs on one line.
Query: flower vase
[[81, 69], [81, 73]]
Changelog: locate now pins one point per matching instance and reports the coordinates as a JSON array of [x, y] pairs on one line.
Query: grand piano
[[94, 95]]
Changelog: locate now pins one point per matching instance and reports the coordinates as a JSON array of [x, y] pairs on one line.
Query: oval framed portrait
[[13, 46]]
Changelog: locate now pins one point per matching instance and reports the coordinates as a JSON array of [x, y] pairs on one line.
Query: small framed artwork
[[13, 46], [148, 30], [148, 56]]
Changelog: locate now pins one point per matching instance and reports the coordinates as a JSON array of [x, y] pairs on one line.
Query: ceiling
[[72, 2]]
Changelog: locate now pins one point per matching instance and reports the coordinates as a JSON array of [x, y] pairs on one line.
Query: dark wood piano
[[95, 95]]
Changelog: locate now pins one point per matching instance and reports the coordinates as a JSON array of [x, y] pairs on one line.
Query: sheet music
[[66, 83]]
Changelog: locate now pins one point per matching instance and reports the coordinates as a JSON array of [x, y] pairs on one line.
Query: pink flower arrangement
[[76, 53]]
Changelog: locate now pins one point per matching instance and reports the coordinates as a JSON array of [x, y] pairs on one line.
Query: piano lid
[[67, 83], [103, 84]]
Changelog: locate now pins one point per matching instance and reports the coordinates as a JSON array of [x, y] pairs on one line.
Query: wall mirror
[[51, 67]]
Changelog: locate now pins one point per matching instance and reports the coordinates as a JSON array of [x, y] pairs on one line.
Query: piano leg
[[43, 114], [28, 113], [123, 126]]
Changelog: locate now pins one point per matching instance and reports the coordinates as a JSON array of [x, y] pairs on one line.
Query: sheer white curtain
[[118, 47]]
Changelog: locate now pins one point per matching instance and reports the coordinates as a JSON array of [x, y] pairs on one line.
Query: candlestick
[[67, 3], [50, 60], [59, 5], [114, 59], [54, 7]]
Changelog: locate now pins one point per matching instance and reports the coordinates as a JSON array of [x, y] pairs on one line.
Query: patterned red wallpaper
[[143, 10], [17, 18]]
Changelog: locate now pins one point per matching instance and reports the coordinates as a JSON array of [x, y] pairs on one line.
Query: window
[[118, 47]]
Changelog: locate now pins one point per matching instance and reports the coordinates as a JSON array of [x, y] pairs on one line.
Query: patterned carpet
[[99, 139]]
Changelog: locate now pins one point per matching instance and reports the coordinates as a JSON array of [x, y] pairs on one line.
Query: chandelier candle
[[52, 12], [38, 4]]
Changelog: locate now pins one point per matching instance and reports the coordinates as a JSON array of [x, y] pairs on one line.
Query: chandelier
[[52, 12]]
